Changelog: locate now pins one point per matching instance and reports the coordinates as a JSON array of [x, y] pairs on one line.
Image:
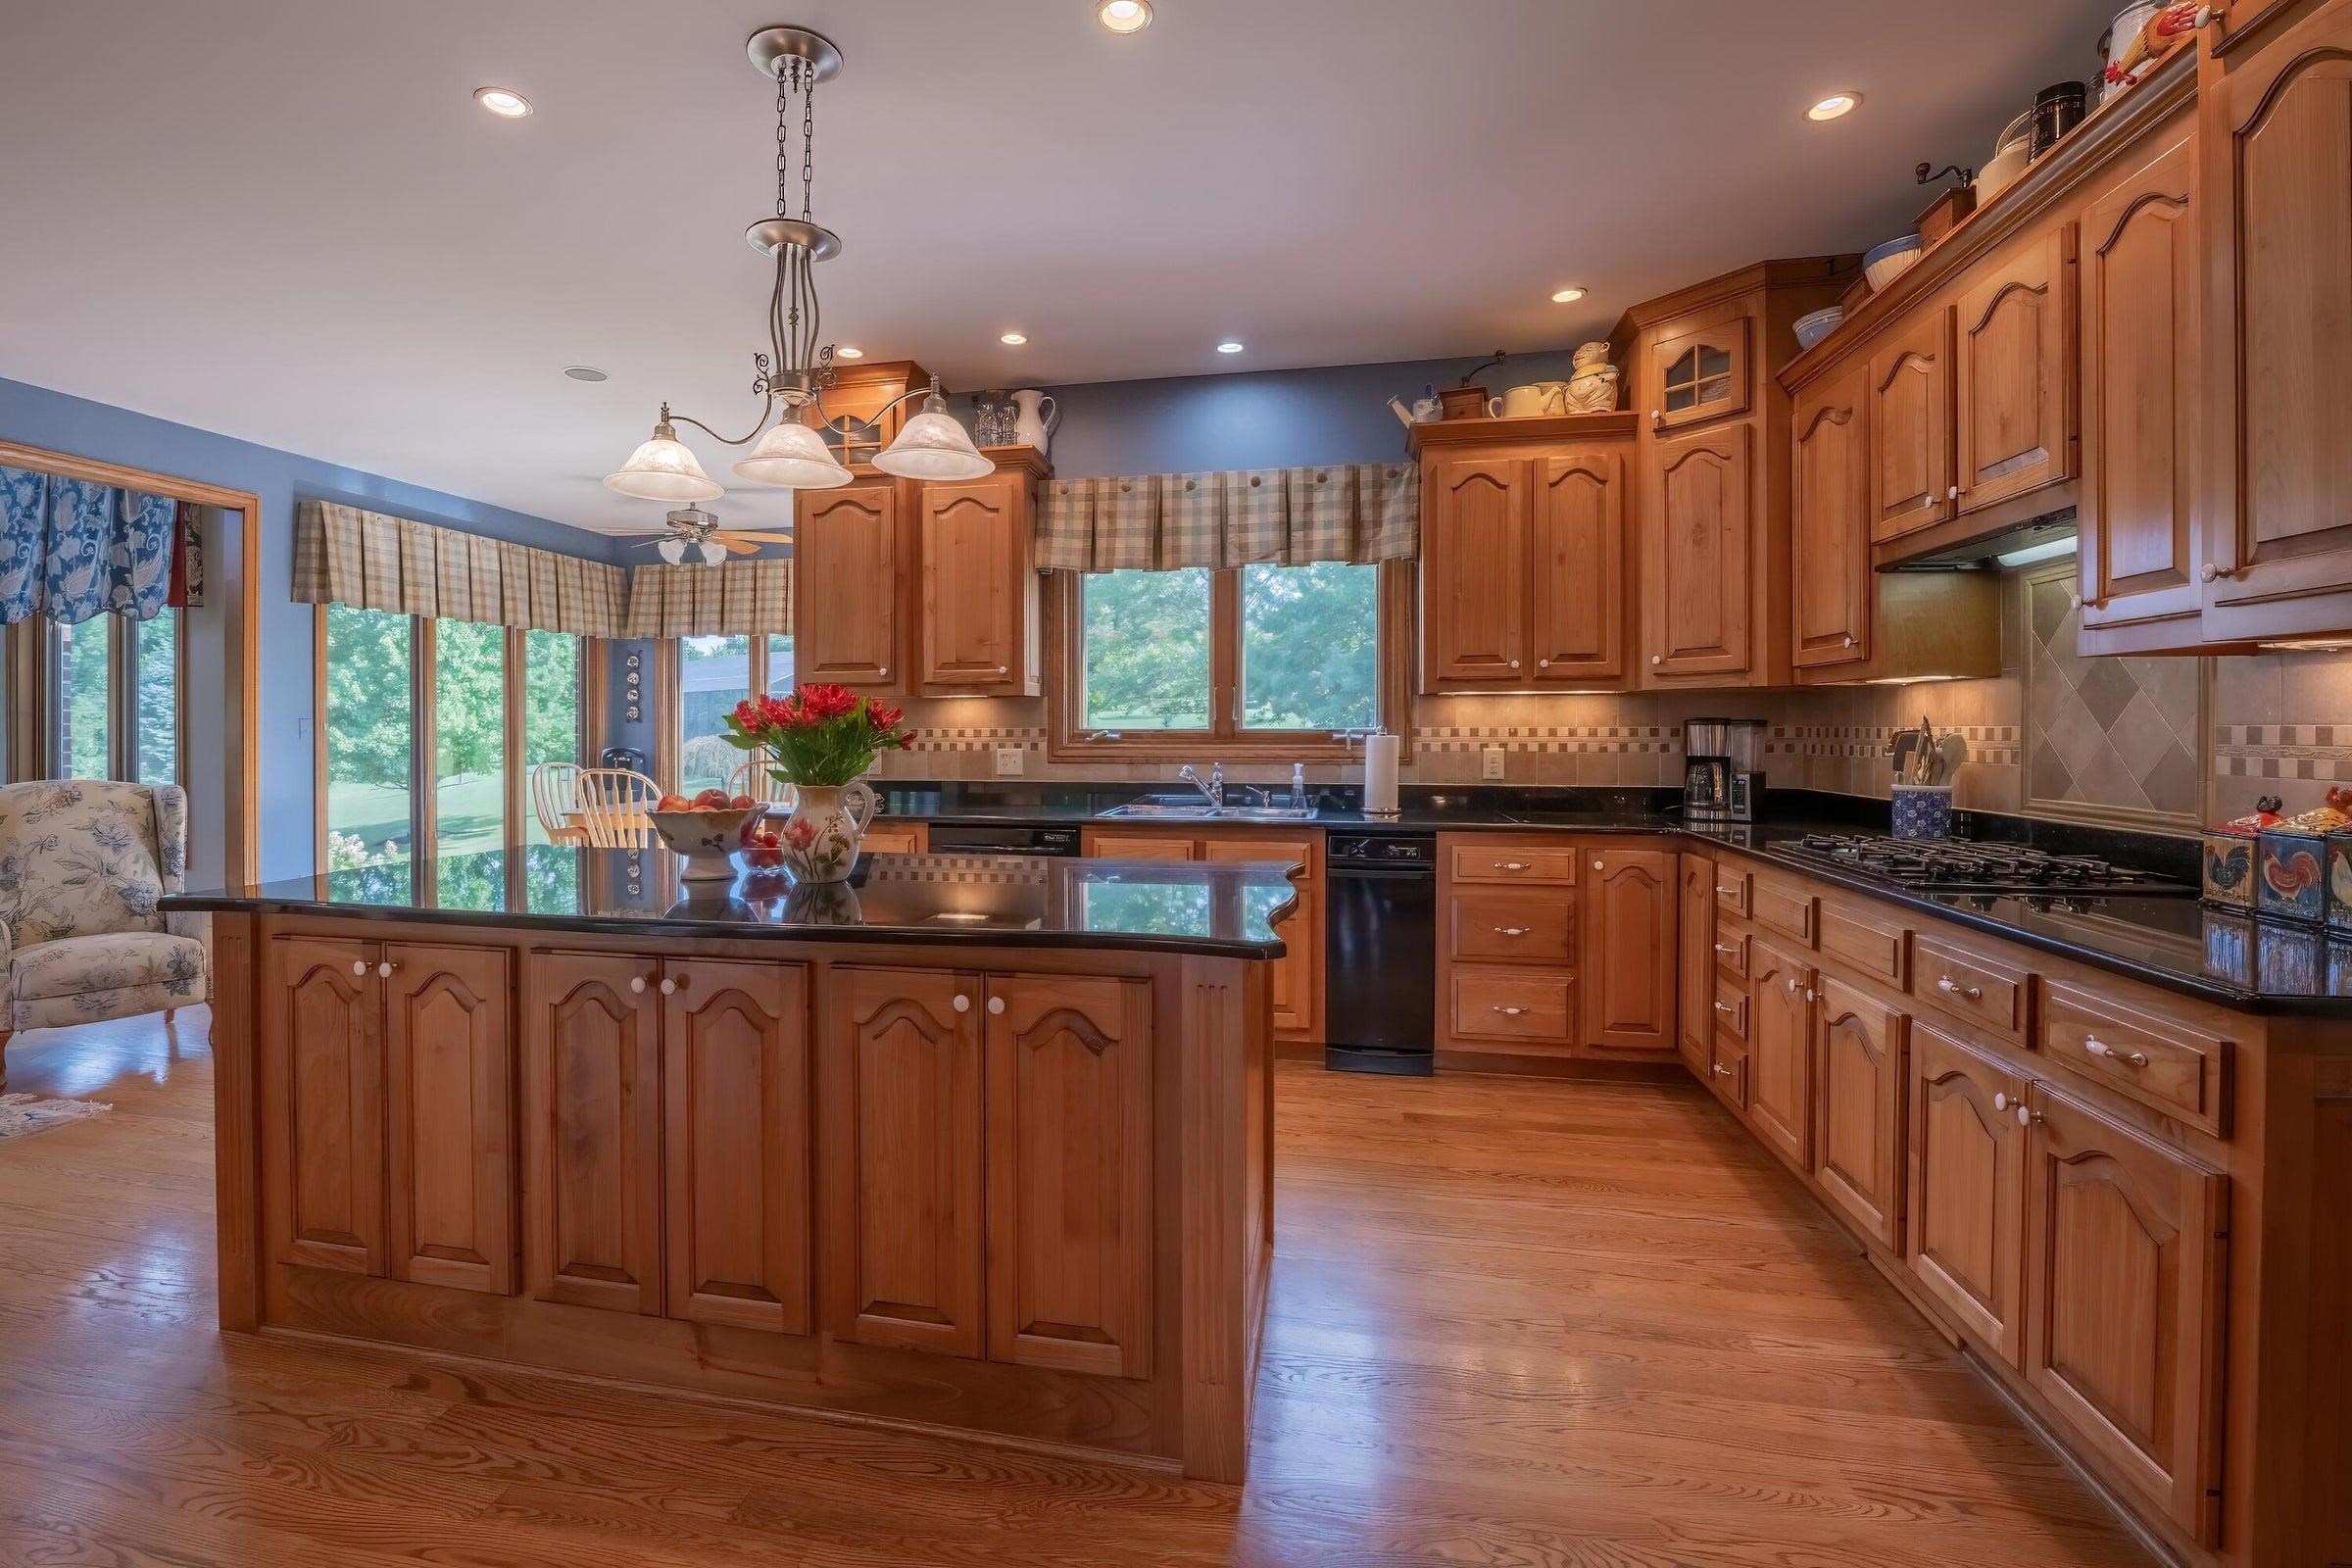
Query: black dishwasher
[[1380, 951]]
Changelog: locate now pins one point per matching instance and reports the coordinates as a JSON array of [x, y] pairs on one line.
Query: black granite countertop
[[1219, 910]]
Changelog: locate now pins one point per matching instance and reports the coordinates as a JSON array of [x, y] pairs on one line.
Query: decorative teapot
[[1422, 410]]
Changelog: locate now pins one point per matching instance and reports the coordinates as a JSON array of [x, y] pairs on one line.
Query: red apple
[[742, 802]]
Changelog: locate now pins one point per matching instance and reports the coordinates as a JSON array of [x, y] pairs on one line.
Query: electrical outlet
[[1490, 762], [1009, 761]]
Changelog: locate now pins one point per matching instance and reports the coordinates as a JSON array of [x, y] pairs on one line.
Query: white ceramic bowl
[[708, 840], [1811, 330], [1884, 264], [2001, 174]]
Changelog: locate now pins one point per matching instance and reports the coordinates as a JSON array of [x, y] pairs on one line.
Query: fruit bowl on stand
[[706, 830]]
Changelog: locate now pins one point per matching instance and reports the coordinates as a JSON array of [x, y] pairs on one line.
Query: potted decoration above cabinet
[[922, 586], [1524, 552]]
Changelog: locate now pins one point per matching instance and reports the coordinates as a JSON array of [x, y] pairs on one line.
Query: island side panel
[[237, 1118]]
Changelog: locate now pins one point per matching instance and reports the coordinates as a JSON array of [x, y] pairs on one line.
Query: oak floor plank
[[1535, 1325]]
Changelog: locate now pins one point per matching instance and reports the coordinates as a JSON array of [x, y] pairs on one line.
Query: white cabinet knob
[[637, 984], [963, 1004], [996, 1004], [2213, 571], [359, 967], [2074, 601], [2027, 1115], [383, 971], [1543, 663], [1657, 659], [669, 987], [1514, 663], [1595, 866], [1004, 669], [883, 671], [1724, 1006], [1953, 494], [2000, 1101], [1849, 642], [1809, 997], [1656, 417]]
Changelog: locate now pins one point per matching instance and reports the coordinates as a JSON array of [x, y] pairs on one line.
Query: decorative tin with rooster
[[2291, 862], [2229, 858], [2338, 861]]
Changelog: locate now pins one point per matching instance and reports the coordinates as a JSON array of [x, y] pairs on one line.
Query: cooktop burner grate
[[1952, 865]]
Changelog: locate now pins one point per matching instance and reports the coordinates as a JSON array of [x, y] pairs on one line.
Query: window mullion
[[121, 698], [1224, 653], [424, 743]]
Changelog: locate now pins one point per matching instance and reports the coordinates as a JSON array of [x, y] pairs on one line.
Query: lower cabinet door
[[1965, 1240], [2126, 1254], [1630, 902], [449, 1060], [735, 1145], [1299, 972], [904, 1242], [322, 1045], [1069, 1173], [592, 1131], [1858, 1104], [1780, 1049], [1694, 1001]]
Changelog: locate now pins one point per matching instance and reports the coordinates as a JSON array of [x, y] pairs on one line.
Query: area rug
[[30, 1114]]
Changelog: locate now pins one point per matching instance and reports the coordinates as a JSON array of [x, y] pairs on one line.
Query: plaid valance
[[736, 598], [1360, 512], [373, 562]]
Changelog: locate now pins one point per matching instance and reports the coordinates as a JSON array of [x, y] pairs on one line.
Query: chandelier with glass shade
[[788, 447]]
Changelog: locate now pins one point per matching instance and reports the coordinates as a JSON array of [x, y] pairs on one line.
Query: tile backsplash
[[2150, 743]]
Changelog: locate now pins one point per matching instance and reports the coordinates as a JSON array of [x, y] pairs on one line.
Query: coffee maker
[[1723, 771]]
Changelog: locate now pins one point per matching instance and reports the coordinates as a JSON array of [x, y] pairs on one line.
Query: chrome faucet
[[1214, 788]]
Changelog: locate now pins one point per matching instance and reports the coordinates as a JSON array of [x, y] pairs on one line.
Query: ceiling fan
[[691, 528]]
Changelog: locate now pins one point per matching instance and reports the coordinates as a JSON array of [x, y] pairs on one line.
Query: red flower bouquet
[[820, 735]]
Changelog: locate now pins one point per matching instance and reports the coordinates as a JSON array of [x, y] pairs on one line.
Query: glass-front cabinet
[[1700, 374]]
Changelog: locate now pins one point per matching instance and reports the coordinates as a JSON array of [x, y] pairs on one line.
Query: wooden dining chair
[[754, 779], [612, 807], [556, 801]]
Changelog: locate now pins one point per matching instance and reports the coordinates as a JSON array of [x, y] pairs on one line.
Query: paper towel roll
[[1380, 774]]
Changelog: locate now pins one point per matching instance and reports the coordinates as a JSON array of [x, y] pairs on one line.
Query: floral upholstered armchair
[[82, 864]]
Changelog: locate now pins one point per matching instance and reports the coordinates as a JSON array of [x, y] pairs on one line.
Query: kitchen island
[[982, 1145]]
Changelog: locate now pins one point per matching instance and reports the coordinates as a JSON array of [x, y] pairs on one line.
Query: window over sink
[[1283, 661]]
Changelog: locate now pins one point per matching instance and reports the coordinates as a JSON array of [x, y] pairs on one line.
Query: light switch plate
[[1490, 762], [1010, 761]]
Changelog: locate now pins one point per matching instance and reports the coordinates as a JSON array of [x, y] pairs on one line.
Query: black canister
[[2056, 110]]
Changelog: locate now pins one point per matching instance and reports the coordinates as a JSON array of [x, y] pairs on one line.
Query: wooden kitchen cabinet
[[2277, 190], [1780, 1045], [2125, 1248], [2139, 535], [735, 1155], [1702, 372], [905, 1246], [323, 1044], [2017, 371], [1910, 418], [853, 552], [592, 1132], [1694, 1003], [1299, 972], [1629, 906], [1859, 1059], [449, 1063], [1830, 511], [1069, 1140], [1966, 1238], [979, 593], [1698, 545], [1524, 555]]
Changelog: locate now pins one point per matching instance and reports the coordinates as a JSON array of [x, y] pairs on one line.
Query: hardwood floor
[[1512, 1323]]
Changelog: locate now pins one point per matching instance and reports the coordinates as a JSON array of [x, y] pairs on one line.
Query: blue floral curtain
[[71, 549]]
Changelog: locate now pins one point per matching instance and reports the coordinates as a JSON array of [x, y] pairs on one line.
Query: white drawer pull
[[1510, 930], [2100, 1047], [1508, 1013], [1726, 948], [1510, 866], [1953, 987], [1720, 1070], [1725, 1007]]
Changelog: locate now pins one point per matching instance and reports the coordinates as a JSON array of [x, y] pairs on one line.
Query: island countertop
[[1226, 909]]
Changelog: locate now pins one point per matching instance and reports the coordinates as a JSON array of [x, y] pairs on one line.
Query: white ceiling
[[288, 220]]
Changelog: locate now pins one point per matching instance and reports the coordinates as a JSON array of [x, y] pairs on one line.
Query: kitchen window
[[1279, 662], [103, 698], [703, 678]]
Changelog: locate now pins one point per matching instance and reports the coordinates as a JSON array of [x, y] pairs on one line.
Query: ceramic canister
[[2229, 869], [2288, 881]]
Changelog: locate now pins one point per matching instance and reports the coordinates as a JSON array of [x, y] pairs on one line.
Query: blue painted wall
[[37, 417]]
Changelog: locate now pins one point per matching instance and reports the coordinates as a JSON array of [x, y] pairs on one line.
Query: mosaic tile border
[[1988, 745], [1607, 739], [2320, 753]]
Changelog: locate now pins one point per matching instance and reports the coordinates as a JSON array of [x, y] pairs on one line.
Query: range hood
[[1936, 549]]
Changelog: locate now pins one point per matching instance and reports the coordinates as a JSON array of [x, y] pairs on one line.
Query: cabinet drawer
[[1986, 991], [1731, 951], [1512, 1004], [1486, 859], [1866, 942], [1510, 926], [1728, 1071], [1731, 1010], [1732, 890], [1782, 904], [2158, 1061]]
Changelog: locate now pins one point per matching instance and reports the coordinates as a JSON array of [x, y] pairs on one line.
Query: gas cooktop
[[1958, 865]]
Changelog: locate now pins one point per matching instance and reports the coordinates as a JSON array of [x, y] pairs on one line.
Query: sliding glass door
[[369, 729]]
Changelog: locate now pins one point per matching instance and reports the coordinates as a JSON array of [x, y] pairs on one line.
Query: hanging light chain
[[808, 142]]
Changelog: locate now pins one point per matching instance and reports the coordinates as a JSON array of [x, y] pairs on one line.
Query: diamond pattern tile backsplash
[[2107, 736]]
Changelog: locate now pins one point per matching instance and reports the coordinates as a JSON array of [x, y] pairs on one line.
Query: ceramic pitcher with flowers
[[822, 740]]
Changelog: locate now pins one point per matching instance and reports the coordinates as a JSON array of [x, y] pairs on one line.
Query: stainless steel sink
[[1203, 811]]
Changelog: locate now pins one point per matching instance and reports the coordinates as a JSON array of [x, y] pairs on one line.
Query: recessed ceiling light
[[584, 373], [504, 102], [1016, 339], [1230, 346], [1567, 296], [1835, 105], [1124, 15], [849, 352]]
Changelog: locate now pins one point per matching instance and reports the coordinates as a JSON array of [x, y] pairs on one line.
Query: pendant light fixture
[[793, 374]]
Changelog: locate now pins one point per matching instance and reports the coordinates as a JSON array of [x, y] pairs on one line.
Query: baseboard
[[1531, 1065]]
